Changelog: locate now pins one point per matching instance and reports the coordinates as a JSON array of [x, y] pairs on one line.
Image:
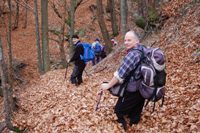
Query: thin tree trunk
[[108, 6], [45, 41], [72, 11], [102, 25], [123, 13], [10, 72], [143, 10], [152, 3], [39, 55], [9, 40], [131, 11], [26, 15], [16, 16], [8, 109], [62, 51], [113, 18]]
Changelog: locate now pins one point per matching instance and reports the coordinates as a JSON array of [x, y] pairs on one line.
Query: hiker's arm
[[106, 86], [76, 54], [116, 79]]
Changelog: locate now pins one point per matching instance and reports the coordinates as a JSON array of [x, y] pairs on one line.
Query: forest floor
[[48, 103]]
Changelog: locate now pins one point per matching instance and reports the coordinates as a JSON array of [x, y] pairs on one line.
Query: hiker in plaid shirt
[[132, 102]]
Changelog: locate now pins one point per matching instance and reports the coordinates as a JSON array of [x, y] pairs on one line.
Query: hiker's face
[[130, 41], [75, 40]]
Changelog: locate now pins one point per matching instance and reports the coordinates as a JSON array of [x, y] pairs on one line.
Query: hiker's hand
[[104, 86], [68, 61]]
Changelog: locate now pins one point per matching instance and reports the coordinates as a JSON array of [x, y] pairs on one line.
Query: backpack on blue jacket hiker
[[88, 52], [97, 48], [153, 75]]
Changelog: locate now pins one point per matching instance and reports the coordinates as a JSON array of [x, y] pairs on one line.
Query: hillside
[[48, 103]]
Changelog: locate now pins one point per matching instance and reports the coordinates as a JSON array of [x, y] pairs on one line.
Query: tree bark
[[123, 14], [152, 3], [16, 16], [143, 9], [102, 25], [113, 18], [61, 46], [37, 33], [45, 41], [10, 72], [72, 11], [26, 15], [8, 105]]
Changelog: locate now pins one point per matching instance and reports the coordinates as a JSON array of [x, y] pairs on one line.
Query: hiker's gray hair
[[134, 35]]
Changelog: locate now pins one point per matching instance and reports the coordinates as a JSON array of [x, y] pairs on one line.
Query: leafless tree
[[102, 25]]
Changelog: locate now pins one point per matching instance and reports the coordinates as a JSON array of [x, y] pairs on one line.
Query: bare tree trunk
[[6, 91], [10, 72], [108, 6], [26, 15], [16, 16], [39, 55], [113, 18], [102, 25], [72, 11], [9, 41], [123, 13], [143, 9], [62, 51], [131, 12], [152, 3], [45, 41]]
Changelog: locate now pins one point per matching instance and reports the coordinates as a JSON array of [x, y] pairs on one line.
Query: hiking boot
[[123, 124], [134, 120], [78, 83]]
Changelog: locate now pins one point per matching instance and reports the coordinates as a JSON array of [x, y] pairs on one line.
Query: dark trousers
[[131, 105], [76, 76], [96, 59]]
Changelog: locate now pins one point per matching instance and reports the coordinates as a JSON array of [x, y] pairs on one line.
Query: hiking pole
[[99, 100], [86, 73]]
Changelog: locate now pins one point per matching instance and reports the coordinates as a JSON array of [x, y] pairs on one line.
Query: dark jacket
[[79, 50]]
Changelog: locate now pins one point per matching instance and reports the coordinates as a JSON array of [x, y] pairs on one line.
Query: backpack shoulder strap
[[137, 65]]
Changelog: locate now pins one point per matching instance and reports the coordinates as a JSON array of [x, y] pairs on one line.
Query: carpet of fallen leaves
[[51, 104]]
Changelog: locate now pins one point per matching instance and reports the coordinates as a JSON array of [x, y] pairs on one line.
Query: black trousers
[[76, 76], [131, 105], [96, 59]]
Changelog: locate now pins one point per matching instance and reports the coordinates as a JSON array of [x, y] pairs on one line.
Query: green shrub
[[198, 50], [153, 16], [140, 22]]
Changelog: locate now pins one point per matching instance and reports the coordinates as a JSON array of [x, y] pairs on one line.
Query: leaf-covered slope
[[54, 105]]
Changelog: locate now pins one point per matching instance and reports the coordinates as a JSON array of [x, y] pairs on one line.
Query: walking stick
[[99, 100], [86, 73]]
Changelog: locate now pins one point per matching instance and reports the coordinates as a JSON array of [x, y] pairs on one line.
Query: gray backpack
[[153, 76]]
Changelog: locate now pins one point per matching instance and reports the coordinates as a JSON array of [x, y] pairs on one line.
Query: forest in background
[[43, 102]]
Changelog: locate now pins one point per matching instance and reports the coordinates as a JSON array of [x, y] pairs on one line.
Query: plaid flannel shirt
[[130, 62]]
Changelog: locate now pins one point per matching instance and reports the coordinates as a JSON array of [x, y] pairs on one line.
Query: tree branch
[[55, 32], [26, 6], [54, 40], [56, 10]]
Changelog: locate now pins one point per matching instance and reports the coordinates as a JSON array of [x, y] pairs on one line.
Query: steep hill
[[50, 104]]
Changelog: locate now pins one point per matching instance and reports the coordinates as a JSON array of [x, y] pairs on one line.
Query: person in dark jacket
[[79, 65], [132, 102]]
